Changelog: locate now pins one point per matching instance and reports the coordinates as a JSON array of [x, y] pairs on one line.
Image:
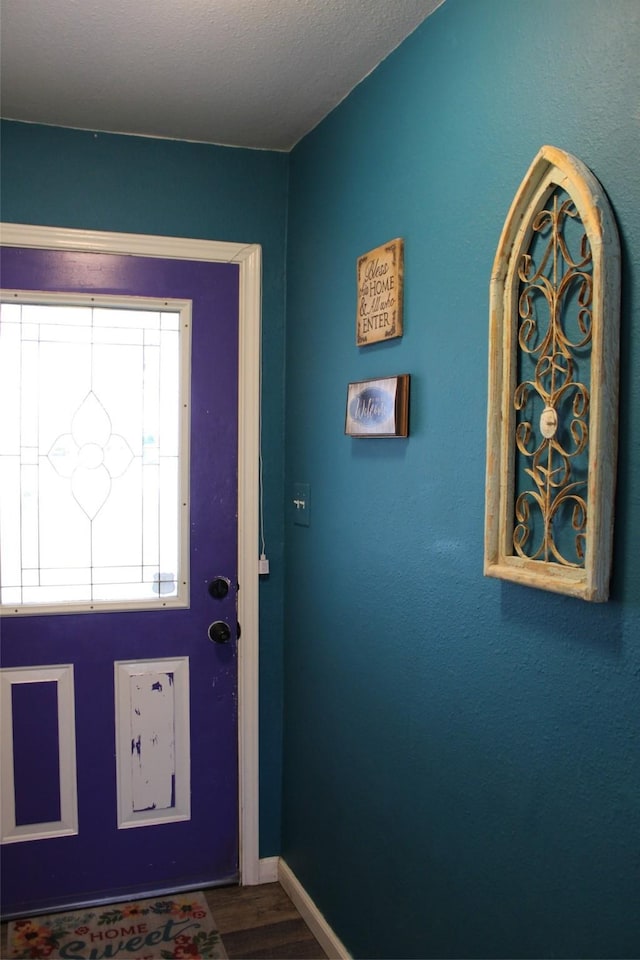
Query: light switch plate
[[301, 504]]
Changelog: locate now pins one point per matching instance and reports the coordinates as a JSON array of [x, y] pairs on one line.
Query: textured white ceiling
[[253, 73]]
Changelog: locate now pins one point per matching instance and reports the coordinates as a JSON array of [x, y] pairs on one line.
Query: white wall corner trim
[[268, 870], [248, 256], [328, 940]]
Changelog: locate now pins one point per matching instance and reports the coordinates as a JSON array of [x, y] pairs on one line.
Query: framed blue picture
[[378, 408]]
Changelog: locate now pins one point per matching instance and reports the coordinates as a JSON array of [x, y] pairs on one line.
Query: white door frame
[[249, 258]]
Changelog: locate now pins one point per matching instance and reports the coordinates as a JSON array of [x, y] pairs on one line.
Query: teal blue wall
[[98, 181], [461, 755]]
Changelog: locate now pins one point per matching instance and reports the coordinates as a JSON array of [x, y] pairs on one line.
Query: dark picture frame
[[378, 407]]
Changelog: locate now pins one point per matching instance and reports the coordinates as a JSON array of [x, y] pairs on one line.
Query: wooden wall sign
[[380, 279]]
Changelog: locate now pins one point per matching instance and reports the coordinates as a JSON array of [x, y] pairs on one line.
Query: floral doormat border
[[171, 928]]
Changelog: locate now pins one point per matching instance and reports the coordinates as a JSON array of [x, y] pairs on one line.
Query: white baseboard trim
[[330, 943], [268, 869]]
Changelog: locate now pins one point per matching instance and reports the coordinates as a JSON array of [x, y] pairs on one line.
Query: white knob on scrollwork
[[548, 422]]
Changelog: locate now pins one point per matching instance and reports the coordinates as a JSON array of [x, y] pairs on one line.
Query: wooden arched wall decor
[[553, 384]]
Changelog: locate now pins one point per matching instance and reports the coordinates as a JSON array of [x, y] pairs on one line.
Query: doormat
[[176, 928]]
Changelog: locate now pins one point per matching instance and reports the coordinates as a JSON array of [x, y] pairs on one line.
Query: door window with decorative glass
[[94, 397]]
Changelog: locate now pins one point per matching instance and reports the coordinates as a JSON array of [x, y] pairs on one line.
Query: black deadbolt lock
[[220, 632], [219, 588]]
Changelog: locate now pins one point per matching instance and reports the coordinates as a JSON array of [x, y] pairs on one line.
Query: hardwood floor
[[256, 923], [261, 922]]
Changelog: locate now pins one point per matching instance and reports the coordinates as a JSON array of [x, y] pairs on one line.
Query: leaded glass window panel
[[93, 453]]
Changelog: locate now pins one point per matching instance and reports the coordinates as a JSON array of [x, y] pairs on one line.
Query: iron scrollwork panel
[[553, 384]]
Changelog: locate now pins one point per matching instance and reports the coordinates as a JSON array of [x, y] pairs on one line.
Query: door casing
[[248, 256]]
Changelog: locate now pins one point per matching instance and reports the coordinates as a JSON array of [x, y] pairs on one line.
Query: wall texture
[[98, 181], [461, 755]]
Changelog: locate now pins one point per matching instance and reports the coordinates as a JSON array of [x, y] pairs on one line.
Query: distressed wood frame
[[553, 168]]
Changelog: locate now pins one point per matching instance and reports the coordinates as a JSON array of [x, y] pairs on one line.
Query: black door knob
[[220, 632], [219, 588]]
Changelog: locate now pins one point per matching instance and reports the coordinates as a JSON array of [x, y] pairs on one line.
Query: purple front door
[[115, 654]]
